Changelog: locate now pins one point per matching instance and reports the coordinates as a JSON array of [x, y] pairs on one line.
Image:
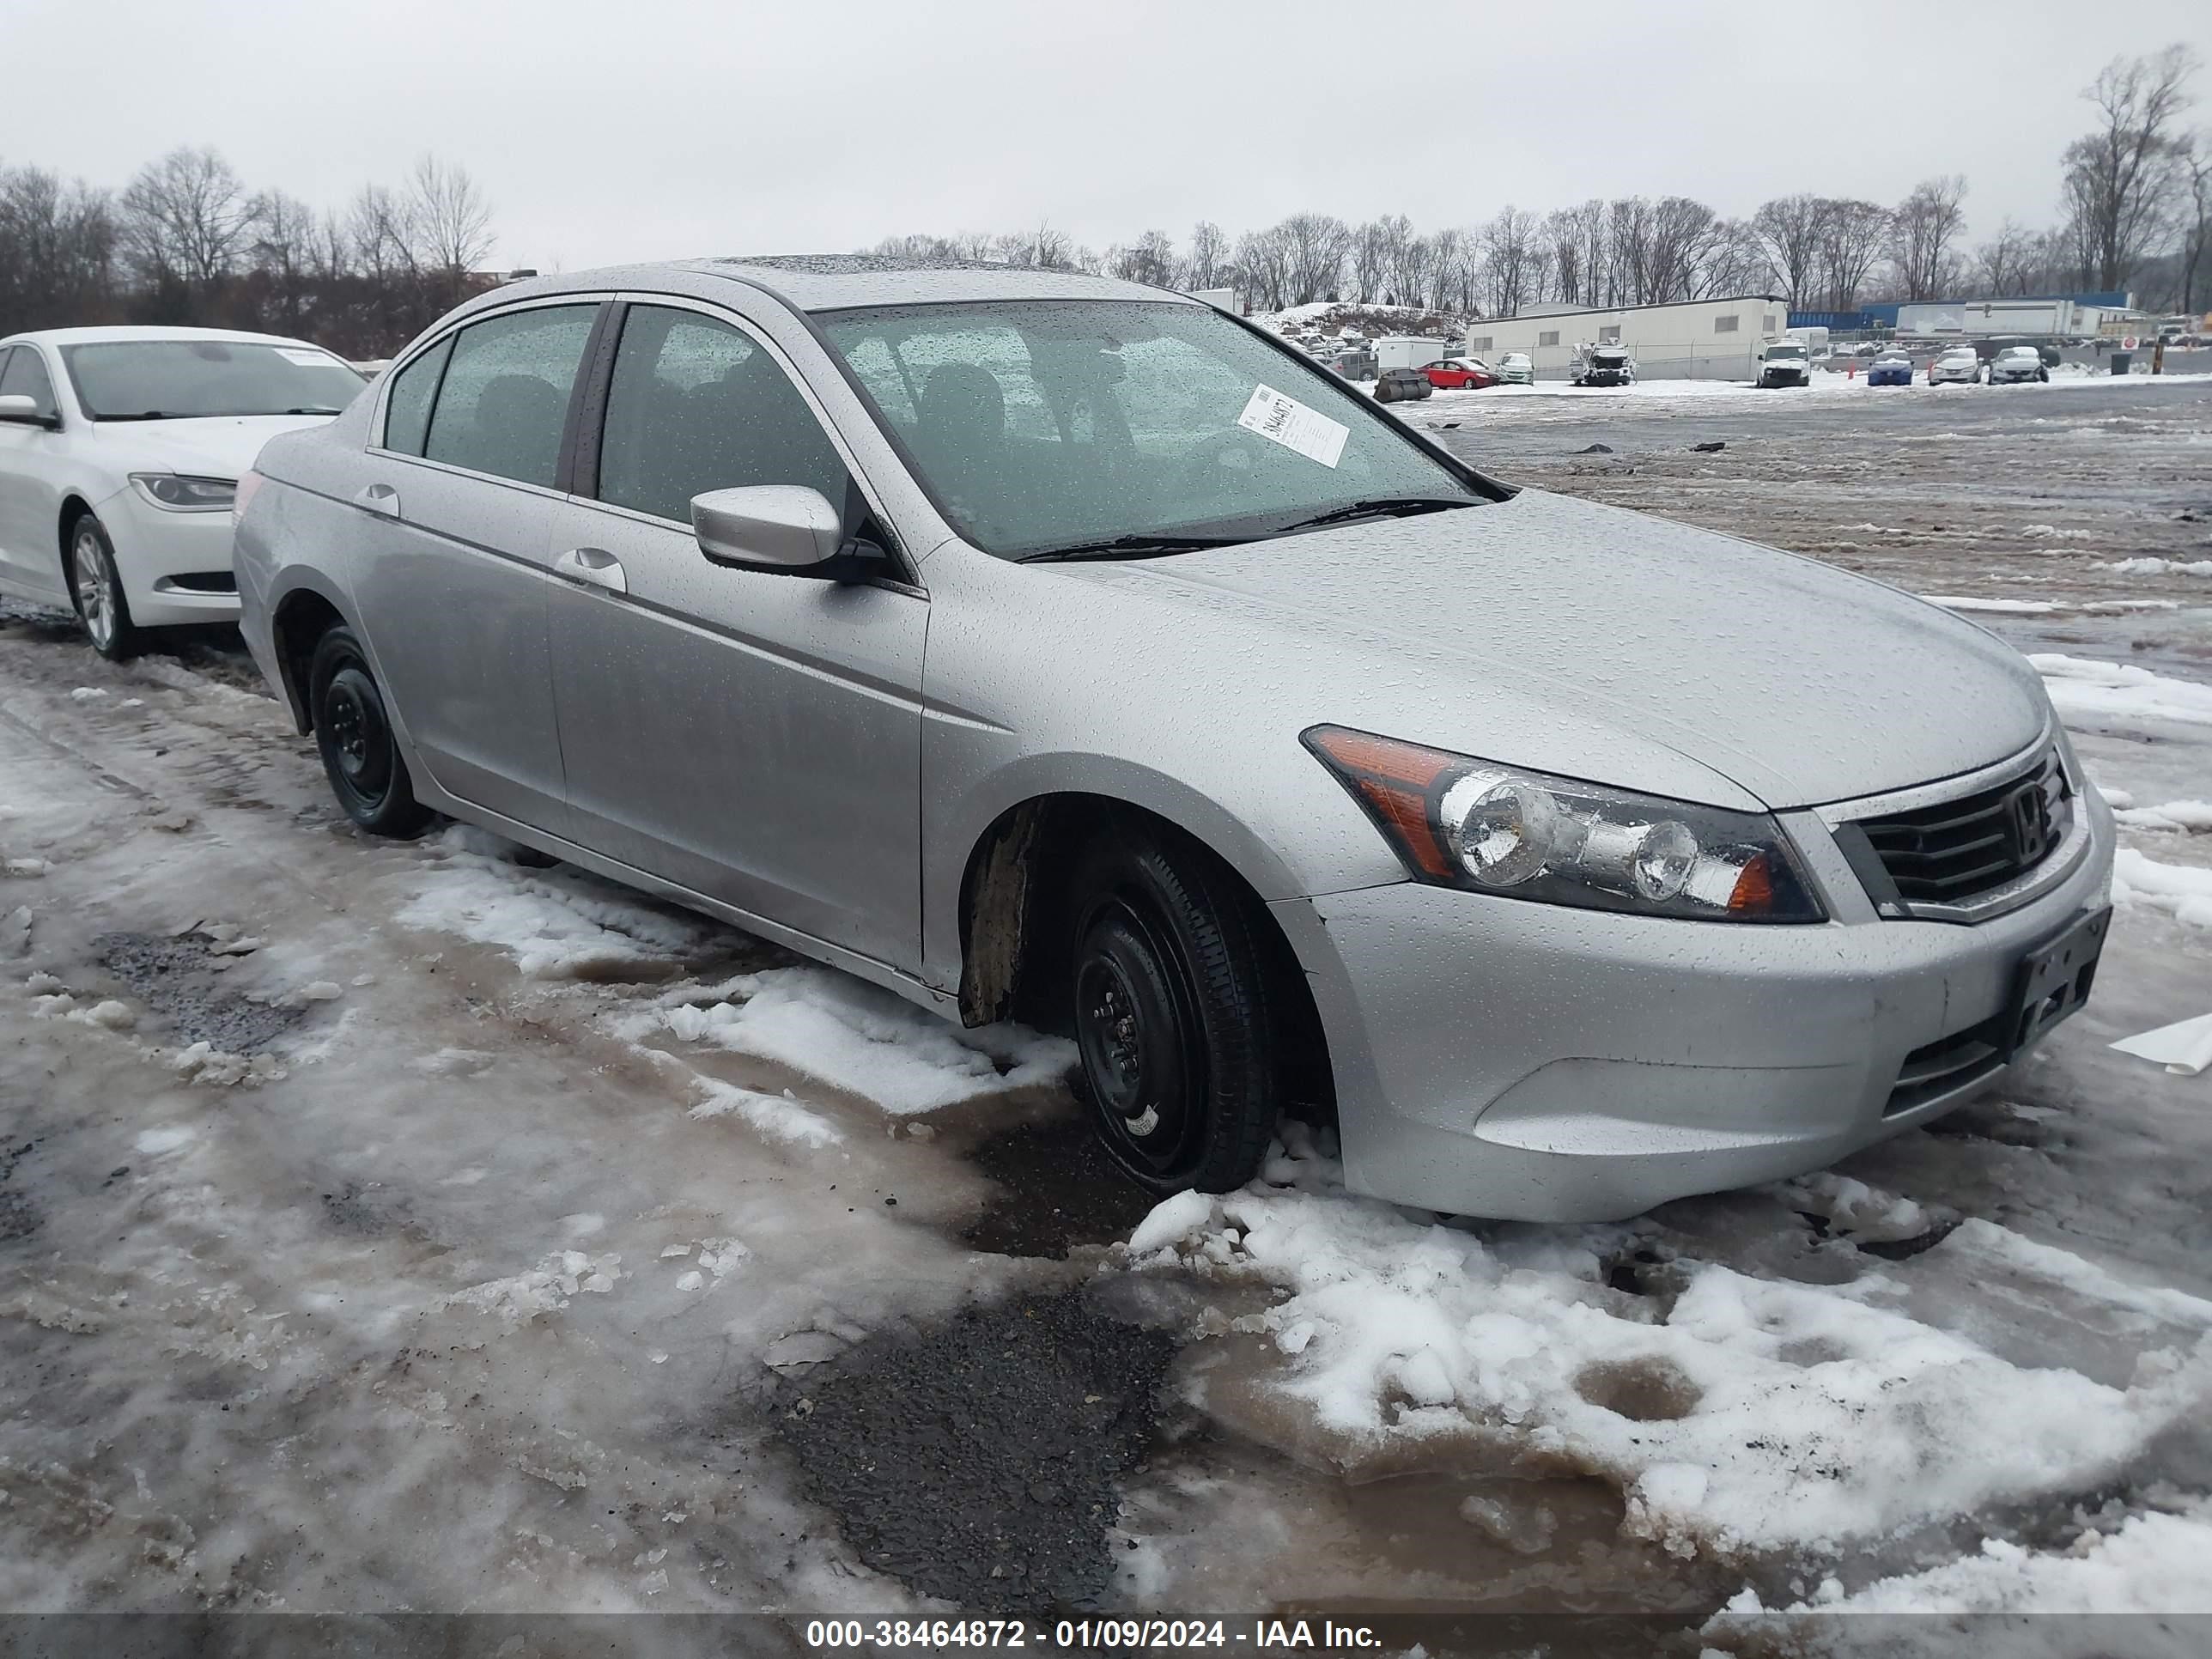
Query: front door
[[456, 511], [752, 736], [30, 471]]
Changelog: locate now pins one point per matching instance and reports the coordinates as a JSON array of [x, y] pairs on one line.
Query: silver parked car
[[1045, 645]]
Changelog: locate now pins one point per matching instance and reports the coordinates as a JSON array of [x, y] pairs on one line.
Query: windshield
[[1785, 351], [1042, 425], [178, 379]]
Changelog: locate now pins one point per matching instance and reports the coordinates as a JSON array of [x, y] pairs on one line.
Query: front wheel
[[360, 753], [97, 592], [1178, 1017]]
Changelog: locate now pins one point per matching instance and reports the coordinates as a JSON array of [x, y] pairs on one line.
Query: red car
[[1458, 374]]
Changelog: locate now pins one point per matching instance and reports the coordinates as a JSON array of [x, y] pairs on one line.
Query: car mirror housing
[[784, 527], [25, 411]]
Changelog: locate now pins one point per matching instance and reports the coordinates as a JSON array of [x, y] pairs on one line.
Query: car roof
[[130, 334], [838, 281]]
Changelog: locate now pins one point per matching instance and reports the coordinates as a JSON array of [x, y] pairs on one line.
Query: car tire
[[361, 751], [1175, 1013], [96, 592]]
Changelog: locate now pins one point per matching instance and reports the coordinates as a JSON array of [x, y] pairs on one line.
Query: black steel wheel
[[360, 755], [1176, 1014]]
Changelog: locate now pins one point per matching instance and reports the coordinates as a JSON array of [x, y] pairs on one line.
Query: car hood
[[215, 447], [1560, 635]]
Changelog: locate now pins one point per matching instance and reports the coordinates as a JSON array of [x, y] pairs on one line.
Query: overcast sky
[[609, 130]]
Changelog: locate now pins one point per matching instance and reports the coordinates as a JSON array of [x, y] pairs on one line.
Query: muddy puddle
[[1053, 1188]]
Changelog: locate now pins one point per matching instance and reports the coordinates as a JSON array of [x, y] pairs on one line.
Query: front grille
[[1957, 850]]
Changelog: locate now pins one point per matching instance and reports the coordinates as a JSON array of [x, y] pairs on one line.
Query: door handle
[[379, 498], [594, 567]]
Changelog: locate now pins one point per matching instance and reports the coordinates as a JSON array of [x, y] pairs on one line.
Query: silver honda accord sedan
[[1045, 647]]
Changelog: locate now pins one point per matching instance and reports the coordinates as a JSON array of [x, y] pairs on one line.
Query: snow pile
[[2186, 815], [2183, 889], [2115, 690], [2053, 532], [857, 1038], [1751, 1415], [780, 1117], [558, 923], [2159, 567], [2146, 1566]]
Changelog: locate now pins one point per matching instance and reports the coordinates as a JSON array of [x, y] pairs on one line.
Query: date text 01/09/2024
[[1079, 1634]]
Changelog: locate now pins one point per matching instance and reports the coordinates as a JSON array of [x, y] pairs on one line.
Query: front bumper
[[1497, 1057], [175, 567]]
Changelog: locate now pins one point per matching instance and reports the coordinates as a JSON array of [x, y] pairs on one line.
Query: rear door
[[30, 481], [752, 736], [455, 522]]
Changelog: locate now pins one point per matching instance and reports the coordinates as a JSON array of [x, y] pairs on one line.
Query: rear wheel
[[97, 592], [361, 754], [1176, 1014]]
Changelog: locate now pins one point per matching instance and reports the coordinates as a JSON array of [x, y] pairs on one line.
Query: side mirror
[[24, 411], [785, 528]]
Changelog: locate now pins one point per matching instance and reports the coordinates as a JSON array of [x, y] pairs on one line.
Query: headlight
[[179, 492], [1458, 822]]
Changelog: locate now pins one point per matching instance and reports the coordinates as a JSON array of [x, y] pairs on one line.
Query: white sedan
[[120, 450], [1959, 365]]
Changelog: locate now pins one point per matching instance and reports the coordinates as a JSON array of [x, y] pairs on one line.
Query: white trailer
[[1978, 318], [1405, 351], [1715, 339]]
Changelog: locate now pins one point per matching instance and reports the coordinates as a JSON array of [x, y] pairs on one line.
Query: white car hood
[[217, 446]]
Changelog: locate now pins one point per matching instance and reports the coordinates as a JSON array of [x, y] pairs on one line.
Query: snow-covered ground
[[471, 1288]]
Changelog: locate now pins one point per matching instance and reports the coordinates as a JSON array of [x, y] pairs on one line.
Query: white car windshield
[[181, 380], [1785, 351], [1052, 426]]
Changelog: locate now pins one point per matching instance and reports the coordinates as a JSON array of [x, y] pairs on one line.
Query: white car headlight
[[182, 492], [1458, 822]]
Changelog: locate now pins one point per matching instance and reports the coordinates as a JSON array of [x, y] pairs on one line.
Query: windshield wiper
[[143, 415], [1390, 506], [1131, 547], [314, 409]]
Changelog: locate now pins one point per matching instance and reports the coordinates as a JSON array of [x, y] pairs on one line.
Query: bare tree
[[1923, 232], [1509, 247], [1371, 261], [56, 251], [2199, 219], [1314, 247], [185, 218], [1788, 229], [450, 218], [1851, 243], [1209, 254], [1264, 257], [1150, 259], [2117, 180], [283, 252], [2010, 263], [1044, 248]]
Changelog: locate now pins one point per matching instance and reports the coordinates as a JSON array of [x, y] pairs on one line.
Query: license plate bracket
[[2053, 980]]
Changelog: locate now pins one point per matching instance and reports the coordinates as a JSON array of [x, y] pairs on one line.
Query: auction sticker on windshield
[[1289, 423]]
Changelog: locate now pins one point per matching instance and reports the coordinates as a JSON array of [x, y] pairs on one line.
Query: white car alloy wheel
[[99, 591]]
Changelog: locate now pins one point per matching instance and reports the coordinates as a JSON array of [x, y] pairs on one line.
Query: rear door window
[[696, 406], [504, 401]]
